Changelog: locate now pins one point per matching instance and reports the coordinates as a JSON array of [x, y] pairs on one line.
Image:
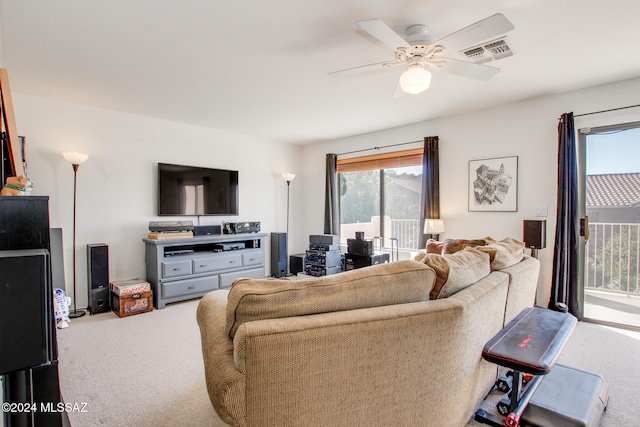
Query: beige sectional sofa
[[367, 347]]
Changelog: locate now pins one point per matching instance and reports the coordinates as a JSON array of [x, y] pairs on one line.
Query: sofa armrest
[[523, 283], [225, 384]]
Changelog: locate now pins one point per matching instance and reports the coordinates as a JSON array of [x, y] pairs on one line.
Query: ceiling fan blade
[[382, 32], [466, 69], [362, 68], [493, 26]]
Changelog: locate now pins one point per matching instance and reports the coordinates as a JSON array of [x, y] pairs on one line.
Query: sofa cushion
[[384, 284], [434, 246], [456, 271], [452, 246], [503, 254]]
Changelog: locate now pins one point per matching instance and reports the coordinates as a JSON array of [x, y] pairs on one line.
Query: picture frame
[[493, 184]]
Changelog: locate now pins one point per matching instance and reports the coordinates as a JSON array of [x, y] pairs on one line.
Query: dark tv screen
[[189, 190]]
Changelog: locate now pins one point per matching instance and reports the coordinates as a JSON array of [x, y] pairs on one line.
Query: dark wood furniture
[[24, 238]]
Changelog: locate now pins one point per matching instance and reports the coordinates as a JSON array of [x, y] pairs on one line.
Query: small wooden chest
[[129, 305], [129, 297]]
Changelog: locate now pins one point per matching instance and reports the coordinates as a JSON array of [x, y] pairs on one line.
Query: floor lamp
[[76, 159], [288, 177]]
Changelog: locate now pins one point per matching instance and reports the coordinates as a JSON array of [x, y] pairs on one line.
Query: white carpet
[[146, 370], [142, 370]]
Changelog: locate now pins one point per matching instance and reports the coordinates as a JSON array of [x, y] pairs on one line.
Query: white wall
[[525, 129], [117, 186]]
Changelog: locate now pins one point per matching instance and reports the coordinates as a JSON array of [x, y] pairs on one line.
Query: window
[[380, 196]]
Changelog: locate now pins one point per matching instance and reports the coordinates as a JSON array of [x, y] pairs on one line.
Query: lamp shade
[[288, 176], [74, 157], [433, 226], [415, 79]]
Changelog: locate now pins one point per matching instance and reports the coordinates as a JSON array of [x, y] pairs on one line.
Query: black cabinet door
[[24, 222]]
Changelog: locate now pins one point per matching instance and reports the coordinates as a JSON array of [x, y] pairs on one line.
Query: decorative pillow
[[455, 272], [434, 247], [503, 254], [417, 256], [452, 246], [383, 284]]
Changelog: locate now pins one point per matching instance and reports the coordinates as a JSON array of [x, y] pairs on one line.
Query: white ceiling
[[259, 67]]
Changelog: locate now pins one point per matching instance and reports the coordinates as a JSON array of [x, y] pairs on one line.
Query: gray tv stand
[[181, 269]]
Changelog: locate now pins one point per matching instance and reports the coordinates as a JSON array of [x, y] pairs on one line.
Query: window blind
[[395, 159]]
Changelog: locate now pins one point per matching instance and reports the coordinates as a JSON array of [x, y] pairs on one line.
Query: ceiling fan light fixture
[[415, 79]]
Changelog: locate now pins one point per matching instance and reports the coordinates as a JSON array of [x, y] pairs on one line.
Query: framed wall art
[[493, 185]]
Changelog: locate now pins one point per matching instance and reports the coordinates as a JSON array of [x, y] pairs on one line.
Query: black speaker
[[100, 301], [206, 230], [279, 254], [296, 264], [26, 327], [534, 234], [98, 277]]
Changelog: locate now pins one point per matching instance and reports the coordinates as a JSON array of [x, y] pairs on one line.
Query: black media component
[[321, 247], [317, 271], [98, 275], [353, 262], [323, 258], [240, 227], [230, 246], [170, 226], [207, 230], [324, 239], [360, 245], [279, 254]]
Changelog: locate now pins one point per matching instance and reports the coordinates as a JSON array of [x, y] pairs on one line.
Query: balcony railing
[[612, 255], [612, 251], [404, 230]]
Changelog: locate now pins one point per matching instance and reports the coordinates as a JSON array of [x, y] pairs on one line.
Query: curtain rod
[[606, 111], [377, 148]]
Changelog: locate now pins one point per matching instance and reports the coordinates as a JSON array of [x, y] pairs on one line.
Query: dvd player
[[222, 247]]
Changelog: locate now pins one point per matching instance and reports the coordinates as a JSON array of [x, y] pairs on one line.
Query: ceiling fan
[[419, 56]]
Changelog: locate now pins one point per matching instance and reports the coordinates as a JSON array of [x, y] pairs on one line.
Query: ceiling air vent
[[490, 51]]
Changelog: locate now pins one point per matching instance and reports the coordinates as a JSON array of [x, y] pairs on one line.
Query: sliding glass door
[[610, 199]]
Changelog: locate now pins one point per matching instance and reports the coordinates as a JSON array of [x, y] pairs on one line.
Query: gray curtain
[[564, 287], [331, 197], [430, 206]]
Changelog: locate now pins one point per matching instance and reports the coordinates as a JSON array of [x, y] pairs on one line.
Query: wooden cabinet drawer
[[216, 262], [187, 287], [176, 268], [252, 258], [226, 279]]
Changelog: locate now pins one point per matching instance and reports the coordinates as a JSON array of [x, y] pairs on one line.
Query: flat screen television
[[190, 190]]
